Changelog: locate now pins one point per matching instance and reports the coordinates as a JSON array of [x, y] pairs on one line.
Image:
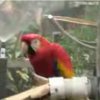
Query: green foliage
[[19, 79], [31, 28], [86, 33], [91, 12], [83, 58]]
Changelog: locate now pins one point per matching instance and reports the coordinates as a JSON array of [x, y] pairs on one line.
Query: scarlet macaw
[[48, 59]]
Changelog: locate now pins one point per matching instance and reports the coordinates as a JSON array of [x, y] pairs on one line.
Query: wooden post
[[3, 71], [3, 77], [39, 18], [98, 47]]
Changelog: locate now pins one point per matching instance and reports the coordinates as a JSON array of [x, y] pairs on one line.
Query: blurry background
[[20, 17]]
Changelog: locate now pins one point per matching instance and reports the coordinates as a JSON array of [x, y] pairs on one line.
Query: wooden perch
[[75, 20], [33, 93]]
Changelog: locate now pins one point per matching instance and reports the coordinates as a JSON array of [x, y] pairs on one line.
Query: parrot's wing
[[63, 62]]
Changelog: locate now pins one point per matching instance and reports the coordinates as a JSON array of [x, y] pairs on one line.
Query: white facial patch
[[35, 44]]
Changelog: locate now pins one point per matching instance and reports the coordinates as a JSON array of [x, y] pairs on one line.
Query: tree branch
[[70, 36], [75, 20], [89, 42], [34, 93]]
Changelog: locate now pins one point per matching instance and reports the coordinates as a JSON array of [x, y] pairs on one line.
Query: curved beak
[[24, 48]]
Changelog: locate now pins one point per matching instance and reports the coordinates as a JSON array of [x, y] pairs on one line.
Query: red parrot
[[48, 59]]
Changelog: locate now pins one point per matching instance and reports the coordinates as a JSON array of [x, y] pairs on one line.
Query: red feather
[[45, 57]]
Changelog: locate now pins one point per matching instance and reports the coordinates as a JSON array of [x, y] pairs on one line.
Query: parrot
[[48, 59]]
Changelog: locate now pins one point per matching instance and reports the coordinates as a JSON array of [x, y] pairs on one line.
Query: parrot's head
[[31, 42]]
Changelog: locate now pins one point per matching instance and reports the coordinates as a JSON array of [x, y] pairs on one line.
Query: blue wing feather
[[56, 70]]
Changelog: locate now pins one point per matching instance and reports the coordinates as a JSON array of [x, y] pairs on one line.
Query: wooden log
[[33, 93]]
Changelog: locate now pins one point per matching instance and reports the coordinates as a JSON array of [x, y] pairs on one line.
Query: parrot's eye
[[35, 41]]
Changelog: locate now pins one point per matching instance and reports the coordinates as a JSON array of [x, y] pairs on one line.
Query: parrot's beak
[[24, 48]]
